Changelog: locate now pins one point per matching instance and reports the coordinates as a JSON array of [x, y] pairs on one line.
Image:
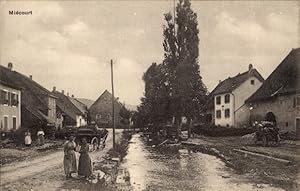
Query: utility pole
[[113, 103], [174, 17]]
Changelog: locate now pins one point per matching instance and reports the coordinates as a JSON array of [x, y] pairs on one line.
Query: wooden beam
[[262, 155]]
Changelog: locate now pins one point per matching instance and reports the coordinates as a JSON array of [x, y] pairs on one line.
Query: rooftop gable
[[81, 106], [66, 106], [232, 83], [105, 94], [285, 79]]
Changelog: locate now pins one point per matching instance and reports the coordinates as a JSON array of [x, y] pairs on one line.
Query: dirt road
[[44, 172]]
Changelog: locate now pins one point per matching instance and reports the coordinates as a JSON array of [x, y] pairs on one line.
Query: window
[[252, 82], [298, 101], [286, 124], [14, 123], [98, 116], [227, 113], [4, 97], [14, 99], [227, 98], [5, 122], [218, 114], [218, 100]]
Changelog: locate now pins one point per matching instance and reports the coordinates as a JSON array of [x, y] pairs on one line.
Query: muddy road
[[153, 169], [45, 172]]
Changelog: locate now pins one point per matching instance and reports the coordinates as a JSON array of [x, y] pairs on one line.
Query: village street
[[44, 172], [164, 95]]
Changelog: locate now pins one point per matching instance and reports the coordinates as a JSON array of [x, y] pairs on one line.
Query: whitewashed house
[[229, 98]]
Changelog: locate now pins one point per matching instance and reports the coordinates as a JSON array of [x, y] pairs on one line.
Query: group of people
[[70, 163], [40, 138]]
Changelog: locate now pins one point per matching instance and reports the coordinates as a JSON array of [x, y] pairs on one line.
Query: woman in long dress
[[85, 163], [70, 157]]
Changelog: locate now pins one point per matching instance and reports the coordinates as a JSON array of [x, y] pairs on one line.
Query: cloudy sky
[[69, 44]]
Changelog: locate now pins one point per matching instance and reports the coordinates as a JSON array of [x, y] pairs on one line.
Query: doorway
[[271, 117]]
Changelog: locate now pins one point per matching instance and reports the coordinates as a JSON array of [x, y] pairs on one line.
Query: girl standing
[[70, 165], [85, 164], [28, 138]]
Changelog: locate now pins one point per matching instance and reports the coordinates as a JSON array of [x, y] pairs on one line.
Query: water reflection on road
[[151, 169]]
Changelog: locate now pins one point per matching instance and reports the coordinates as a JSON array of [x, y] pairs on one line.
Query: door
[[298, 128], [14, 123], [5, 123]]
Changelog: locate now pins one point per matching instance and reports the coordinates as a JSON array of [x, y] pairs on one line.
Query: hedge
[[219, 131]]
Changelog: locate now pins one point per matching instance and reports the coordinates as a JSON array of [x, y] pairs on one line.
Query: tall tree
[[155, 94], [188, 92], [175, 88]]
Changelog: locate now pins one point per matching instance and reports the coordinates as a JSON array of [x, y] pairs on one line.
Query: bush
[[121, 147], [218, 131]]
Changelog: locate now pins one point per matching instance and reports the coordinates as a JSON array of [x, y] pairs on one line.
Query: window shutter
[[17, 99], [294, 102], [9, 98], [2, 97]]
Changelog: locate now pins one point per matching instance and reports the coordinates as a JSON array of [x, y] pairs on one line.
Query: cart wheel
[[264, 141], [94, 144]]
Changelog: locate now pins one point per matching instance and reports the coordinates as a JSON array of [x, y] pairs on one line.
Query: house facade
[[229, 108], [83, 117], [38, 105], [10, 107], [101, 110], [278, 99], [72, 114]]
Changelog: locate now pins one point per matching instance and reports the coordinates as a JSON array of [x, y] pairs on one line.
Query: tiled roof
[[232, 83], [285, 79], [32, 93], [66, 106], [81, 106], [106, 93], [229, 85]]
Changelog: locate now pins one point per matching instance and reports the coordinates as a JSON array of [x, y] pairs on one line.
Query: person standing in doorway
[[70, 165]]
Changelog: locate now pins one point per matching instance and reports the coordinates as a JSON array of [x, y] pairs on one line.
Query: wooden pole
[[174, 17], [112, 102]]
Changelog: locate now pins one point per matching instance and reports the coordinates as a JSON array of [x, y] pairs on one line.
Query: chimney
[[10, 66], [30, 76], [72, 96], [68, 94], [250, 67], [54, 89], [63, 92]]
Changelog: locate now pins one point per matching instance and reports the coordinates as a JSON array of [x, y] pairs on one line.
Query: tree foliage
[[175, 88]]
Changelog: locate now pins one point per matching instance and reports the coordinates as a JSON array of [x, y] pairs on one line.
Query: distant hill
[[85, 101]]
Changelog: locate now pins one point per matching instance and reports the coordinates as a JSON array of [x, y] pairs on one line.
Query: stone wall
[[101, 111], [284, 109]]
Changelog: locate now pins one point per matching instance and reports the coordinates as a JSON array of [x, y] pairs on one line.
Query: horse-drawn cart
[[267, 133], [95, 136]]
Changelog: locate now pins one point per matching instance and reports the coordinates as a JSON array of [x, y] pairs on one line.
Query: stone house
[[278, 99], [226, 106], [10, 107], [101, 110]]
